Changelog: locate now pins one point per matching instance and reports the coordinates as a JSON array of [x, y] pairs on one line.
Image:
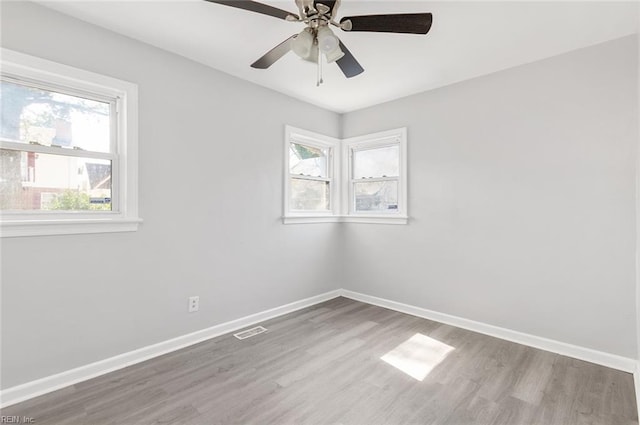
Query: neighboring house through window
[[68, 149]]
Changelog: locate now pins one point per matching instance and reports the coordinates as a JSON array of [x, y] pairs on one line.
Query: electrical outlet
[[194, 304]]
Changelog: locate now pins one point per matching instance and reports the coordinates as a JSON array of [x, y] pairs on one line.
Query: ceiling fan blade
[[254, 6], [274, 54], [348, 64], [407, 23]]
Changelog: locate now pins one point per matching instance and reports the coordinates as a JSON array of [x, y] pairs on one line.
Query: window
[[370, 188], [310, 184], [68, 149], [376, 177], [309, 173]]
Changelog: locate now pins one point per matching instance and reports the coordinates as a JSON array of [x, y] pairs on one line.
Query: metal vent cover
[[250, 332]]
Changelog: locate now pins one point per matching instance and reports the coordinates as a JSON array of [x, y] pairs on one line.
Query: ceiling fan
[[317, 38]]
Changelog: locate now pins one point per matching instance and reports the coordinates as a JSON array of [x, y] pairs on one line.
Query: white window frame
[[395, 137], [332, 145], [124, 156], [340, 171]]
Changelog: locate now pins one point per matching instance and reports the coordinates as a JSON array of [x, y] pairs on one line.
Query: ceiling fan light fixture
[[327, 41], [302, 45], [329, 44], [334, 55], [314, 55]]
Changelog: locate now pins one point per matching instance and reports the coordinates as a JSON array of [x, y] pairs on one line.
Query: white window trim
[[384, 138], [340, 170], [125, 169], [305, 137]]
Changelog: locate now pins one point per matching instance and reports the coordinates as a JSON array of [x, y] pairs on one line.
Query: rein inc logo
[[17, 419]]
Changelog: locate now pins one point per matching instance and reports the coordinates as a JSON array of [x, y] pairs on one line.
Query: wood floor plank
[[536, 373], [324, 365]]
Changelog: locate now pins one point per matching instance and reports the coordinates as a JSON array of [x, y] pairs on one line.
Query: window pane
[[31, 115], [309, 195], [379, 162], [307, 160], [376, 196], [36, 181]]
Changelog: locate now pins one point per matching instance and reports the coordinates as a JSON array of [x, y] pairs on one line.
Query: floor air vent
[[250, 332]]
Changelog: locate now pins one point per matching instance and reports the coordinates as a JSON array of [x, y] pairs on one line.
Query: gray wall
[[210, 197], [522, 198]]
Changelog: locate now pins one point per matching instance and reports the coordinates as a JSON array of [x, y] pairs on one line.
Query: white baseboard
[[51, 383], [582, 353]]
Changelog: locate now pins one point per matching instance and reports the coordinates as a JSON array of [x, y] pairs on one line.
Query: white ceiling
[[467, 39]]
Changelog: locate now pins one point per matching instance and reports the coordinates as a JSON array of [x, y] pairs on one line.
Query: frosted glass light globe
[[327, 42]]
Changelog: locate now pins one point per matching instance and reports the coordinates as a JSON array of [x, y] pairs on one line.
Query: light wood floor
[[322, 365]]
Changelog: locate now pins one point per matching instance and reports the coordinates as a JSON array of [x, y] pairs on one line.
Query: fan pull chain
[[319, 69]]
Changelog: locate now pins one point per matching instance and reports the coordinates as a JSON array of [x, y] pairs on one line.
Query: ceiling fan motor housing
[[309, 8]]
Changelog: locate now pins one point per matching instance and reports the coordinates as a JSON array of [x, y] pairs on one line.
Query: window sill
[[372, 219], [309, 219], [375, 219], [22, 228]]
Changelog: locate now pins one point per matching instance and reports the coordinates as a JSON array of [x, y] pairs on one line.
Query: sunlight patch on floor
[[418, 355]]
